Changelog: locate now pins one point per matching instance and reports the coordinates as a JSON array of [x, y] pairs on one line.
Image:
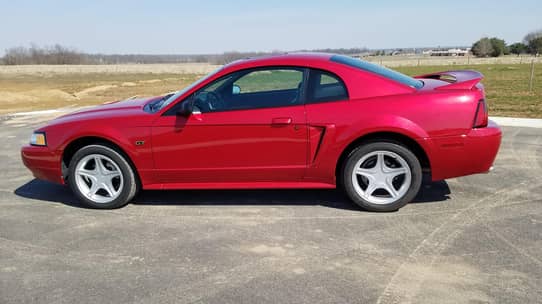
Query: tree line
[[34, 54], [495, 47], [58, 54]]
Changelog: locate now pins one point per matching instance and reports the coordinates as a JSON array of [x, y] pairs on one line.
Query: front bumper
[[43, 163], [467, 154]]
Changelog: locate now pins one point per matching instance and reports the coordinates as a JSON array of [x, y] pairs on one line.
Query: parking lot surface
[[473, 239]]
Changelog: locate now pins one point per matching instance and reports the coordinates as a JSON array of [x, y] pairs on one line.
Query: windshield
[[377, 69], [166, 100]]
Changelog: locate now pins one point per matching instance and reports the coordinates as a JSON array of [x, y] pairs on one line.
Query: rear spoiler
[[459, 80]]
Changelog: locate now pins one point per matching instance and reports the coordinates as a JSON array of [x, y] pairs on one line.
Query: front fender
[[124, 137]]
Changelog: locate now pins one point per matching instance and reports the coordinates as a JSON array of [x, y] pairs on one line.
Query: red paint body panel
[[283, 147], [466, 154], [43, 163], [232, 146]]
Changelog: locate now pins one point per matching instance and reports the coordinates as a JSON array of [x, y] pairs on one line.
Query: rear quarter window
[[324, 86]]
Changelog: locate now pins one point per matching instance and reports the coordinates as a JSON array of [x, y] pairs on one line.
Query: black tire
[[363, 150], [130, 183]]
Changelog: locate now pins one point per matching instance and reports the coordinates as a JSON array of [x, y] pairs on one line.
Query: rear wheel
[[381, 176], [101, 177]]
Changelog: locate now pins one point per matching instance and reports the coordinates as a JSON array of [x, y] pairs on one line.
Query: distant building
[[448, 52]]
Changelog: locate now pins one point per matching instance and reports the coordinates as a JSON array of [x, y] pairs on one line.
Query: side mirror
[[235, 90], [186, 108]]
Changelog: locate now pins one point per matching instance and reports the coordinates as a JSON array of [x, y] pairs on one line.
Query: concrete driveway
[[474, 239]]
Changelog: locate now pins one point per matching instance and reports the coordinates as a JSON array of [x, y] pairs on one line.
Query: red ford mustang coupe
[[286, 121]]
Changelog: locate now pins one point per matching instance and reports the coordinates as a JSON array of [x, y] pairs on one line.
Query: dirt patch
[[15, 97], [150, 81], [95, 89], [56, 93], [7, 97]]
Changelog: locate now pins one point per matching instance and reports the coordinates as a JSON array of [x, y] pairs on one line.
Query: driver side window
[[208, 98], [252, 89]]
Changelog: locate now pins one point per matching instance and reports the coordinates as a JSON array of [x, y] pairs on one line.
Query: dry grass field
[[39, 87], [30, 88], [48, 70], [34, 92]]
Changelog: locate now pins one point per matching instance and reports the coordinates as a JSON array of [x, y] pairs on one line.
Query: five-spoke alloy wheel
[[101, 177], [382, 176], [98, 178]]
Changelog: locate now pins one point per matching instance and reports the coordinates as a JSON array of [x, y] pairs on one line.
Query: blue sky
[[186, 27]]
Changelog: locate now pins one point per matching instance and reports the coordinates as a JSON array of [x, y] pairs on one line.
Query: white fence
[[396, 61]]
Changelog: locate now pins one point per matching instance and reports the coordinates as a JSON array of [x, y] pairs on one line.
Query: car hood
[[114, 108], [111, 110], [132, 103]]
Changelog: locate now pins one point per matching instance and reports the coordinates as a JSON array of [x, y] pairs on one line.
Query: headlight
[[38, 139]]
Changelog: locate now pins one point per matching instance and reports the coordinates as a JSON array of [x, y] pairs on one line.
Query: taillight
[[480, 118]]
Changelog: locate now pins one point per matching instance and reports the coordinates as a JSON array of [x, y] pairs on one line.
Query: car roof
[[301, 59]]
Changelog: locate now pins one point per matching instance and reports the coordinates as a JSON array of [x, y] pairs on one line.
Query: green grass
[[506, 85]]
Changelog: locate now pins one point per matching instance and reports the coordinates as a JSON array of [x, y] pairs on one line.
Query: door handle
[[281, 121]]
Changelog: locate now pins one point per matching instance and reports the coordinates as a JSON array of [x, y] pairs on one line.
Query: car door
[[248, 126]]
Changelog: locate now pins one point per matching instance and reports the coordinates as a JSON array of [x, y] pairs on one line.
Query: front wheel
[[381, 176], [101, 177]]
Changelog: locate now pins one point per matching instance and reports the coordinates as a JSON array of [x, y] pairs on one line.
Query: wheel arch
[[385, 136], [78, 143]]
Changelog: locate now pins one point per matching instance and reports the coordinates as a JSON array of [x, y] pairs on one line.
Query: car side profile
[[284, 121]]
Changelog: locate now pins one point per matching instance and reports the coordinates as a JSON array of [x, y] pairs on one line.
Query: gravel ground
[[474, 239]]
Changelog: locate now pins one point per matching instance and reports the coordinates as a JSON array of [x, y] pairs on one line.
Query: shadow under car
[[41, 190]]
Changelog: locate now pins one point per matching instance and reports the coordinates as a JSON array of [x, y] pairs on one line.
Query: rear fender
[[326, 163], [386, 123]]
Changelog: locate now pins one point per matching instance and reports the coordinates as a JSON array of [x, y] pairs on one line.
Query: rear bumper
[[43, 163], [467, 154]]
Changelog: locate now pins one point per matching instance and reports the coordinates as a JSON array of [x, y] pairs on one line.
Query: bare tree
[[56, 54], [16, 55]]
